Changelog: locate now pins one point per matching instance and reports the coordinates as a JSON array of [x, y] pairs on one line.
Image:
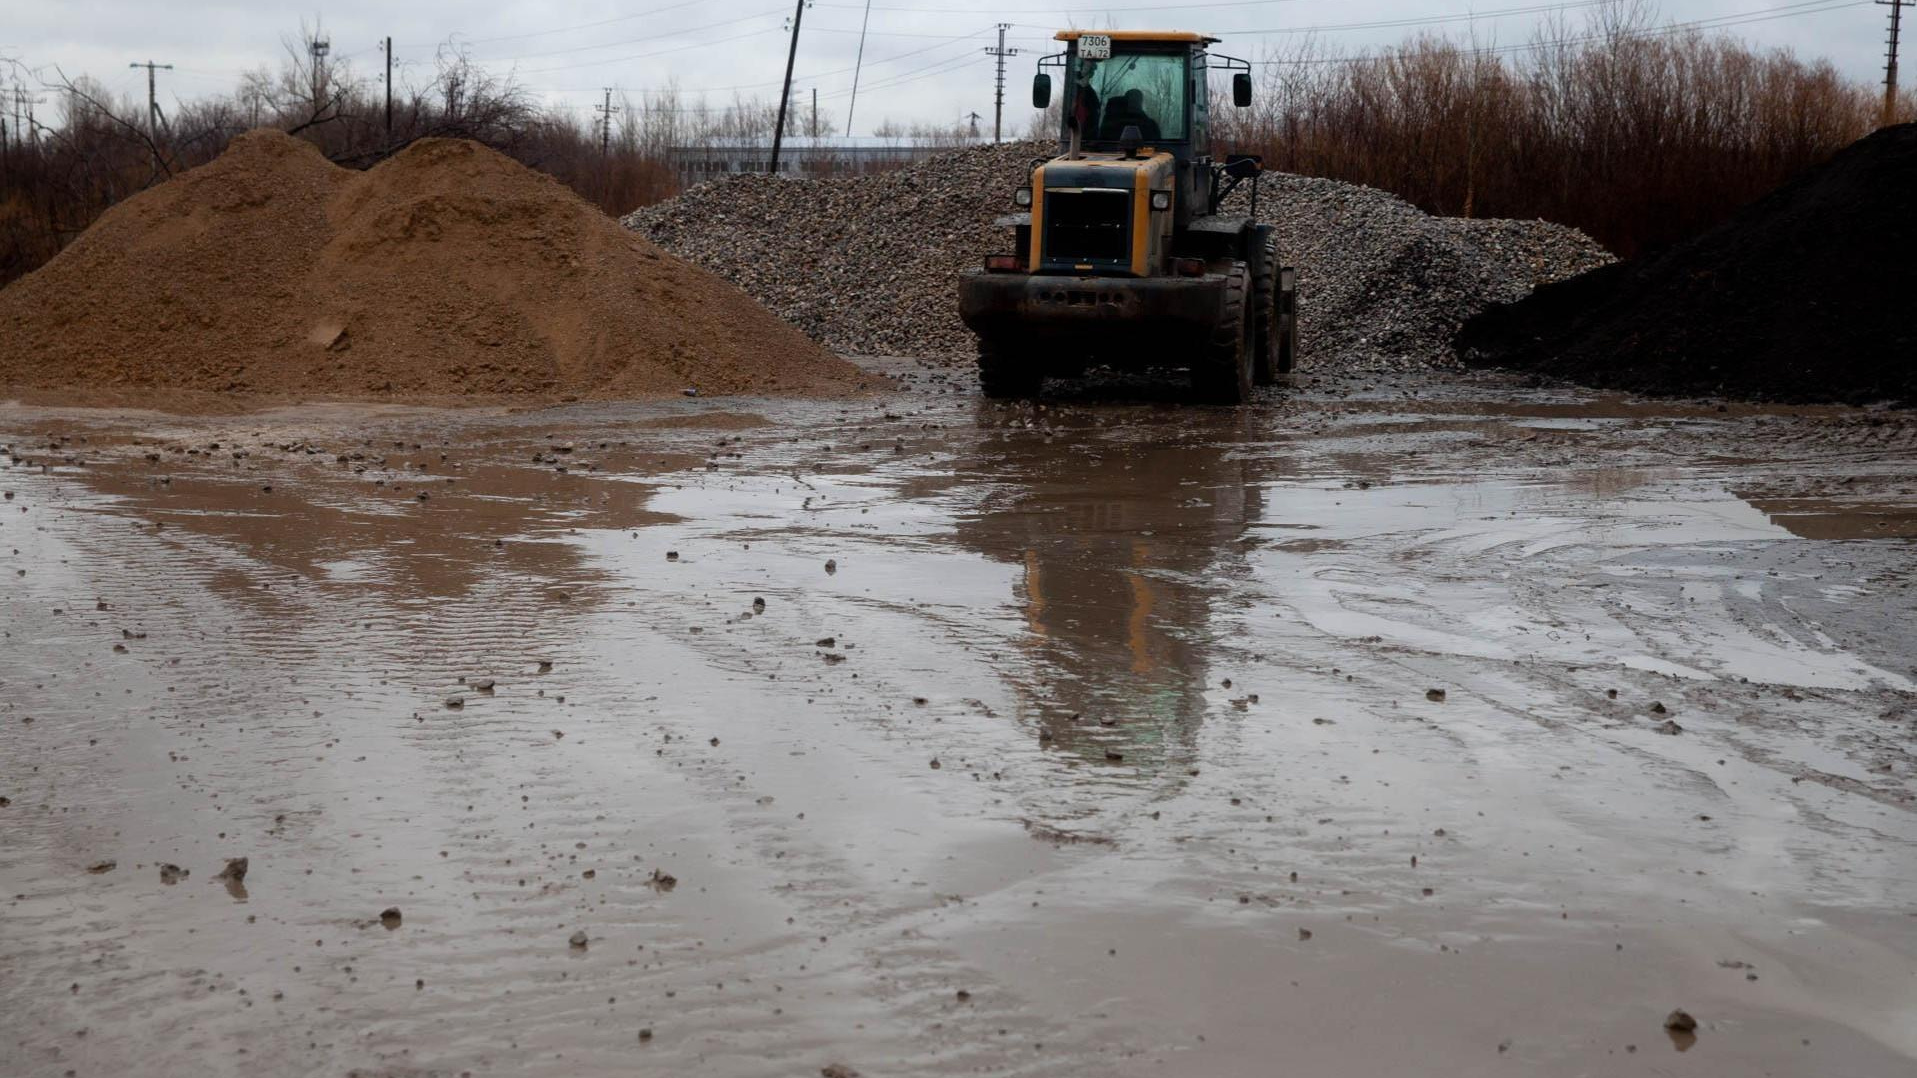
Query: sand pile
[[1803, 296], [448, 270]]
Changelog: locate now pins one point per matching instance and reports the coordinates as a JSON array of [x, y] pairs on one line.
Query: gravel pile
[[869, 265], [1804, 296]]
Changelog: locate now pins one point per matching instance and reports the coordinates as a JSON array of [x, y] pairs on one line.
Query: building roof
[[1137, 35]]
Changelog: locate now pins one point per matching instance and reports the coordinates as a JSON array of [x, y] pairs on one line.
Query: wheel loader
[[1120, 254]]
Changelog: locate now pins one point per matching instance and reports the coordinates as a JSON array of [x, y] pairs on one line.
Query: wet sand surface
[[1389, 727]]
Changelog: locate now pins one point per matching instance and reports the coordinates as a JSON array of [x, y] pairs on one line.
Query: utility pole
[[605, 112], [389, 91], [975, 118], [814, 132], [152, 100], [1890, 62], [318, 48], [792, 53], [998, 106], [857, 63]]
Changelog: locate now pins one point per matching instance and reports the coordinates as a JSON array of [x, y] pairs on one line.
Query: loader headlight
[[1161, 200], [1022, 197]]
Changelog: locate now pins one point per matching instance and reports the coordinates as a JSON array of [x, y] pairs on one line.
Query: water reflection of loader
[[1127, 541]]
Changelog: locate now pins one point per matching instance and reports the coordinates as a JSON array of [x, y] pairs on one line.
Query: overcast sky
[[924, 60]]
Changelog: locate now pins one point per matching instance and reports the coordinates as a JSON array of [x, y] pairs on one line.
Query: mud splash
[[1408, 729]]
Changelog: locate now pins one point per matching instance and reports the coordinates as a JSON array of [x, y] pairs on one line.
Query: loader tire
[[1287, 320], [1005, 374], [1268, 335], [1223, 373]]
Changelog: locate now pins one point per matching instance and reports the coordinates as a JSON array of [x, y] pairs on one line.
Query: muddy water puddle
[[1431, 734]]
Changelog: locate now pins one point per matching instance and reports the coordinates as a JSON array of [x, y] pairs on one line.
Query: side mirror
[[1241, 89], [1041, 90]]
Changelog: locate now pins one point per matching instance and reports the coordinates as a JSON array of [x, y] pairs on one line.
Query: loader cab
[[1137, 92]]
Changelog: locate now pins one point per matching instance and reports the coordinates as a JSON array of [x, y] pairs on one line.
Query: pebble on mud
[[1680, 1021], [99, 867], [1657, 707], [235, 870], [663, 881], [579, 940], [172, 874], [455, 701], [831, 566], [1436, 696], [758, 606], [390, 917], [935, 763], [837, 1070], [826, 642], [1669, 726]]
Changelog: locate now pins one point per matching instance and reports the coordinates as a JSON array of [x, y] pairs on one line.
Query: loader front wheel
[[1004, 374], [1267, 341], [1223, 373]]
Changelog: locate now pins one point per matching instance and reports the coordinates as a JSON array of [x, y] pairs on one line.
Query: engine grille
[[1088, 226]]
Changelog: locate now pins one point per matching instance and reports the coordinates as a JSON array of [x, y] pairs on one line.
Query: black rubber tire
[[1287, 360], [1223, 374], [1003, 374], [1267, 334]]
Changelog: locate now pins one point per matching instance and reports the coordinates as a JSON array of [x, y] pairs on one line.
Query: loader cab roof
[[1168, 37]]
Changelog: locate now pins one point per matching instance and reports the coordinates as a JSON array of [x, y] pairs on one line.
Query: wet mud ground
[[1388, 727]]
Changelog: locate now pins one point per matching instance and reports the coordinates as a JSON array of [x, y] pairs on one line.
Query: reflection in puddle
[[1814, 518]]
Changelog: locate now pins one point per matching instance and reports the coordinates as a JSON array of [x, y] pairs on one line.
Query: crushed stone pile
[[446, 271], [869, 265], [1802, 297]]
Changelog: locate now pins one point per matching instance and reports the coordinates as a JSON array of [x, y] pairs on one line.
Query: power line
[[642, 40], [1719, 22]]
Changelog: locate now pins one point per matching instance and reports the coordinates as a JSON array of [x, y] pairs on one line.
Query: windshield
[[1142, 90]]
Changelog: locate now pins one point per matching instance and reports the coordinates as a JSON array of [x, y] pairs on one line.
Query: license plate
[[1095, 47]]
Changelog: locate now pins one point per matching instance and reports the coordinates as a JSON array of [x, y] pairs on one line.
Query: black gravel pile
[[1806, 296]]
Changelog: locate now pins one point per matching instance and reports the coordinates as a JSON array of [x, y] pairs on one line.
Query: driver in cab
[[1128, 111]]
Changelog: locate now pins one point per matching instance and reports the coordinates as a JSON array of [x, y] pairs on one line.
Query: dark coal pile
[[870, 265], [1803, 297]]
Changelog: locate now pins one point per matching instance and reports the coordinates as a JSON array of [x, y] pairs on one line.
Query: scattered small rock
[[390, 917], [578, 940], [1436, 696], [235, 870], [1680, 1021], [102, 867], [1669, 726], [172, 874]]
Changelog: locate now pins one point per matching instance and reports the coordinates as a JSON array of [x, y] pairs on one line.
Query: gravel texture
[[869, 265], [1803, 296]]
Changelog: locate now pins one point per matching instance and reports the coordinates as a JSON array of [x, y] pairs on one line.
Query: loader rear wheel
[[1223, 373], [1268, 336], [1004, 374], [1287, 320]]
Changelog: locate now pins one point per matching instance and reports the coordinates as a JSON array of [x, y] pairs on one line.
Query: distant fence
[[692, 165]]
